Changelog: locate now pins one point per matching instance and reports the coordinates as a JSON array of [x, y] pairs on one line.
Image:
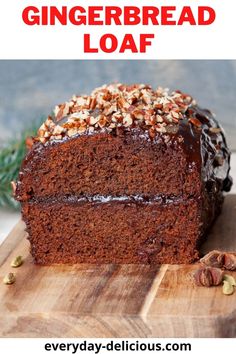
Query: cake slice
[[127, 174]]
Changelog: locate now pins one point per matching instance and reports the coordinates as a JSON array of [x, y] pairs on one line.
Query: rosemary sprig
[[11, 156]]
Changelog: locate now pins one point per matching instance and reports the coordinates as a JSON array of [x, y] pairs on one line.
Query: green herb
[[11, 156]]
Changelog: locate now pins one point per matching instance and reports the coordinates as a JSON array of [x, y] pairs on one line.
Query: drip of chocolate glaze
[[215, 155]]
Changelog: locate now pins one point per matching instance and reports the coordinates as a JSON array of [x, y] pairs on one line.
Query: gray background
[[31, 89]]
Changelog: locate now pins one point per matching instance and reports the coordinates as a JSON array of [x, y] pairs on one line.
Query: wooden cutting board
[[112, 300]]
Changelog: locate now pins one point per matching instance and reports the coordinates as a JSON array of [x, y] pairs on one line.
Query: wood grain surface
[[113, 300]]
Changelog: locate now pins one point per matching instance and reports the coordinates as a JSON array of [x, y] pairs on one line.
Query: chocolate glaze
[[215, 155]]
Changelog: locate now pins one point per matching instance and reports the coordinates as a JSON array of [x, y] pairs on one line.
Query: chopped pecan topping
[[116, 105]]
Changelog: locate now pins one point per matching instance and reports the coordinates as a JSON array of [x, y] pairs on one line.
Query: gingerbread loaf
[[127, 174]]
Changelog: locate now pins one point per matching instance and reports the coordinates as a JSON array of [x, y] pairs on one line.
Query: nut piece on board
[[17, 262], [230, 261], [213, 259], [9, 279], [230, 279], [208, 276], [220, 259], [228, 288]]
